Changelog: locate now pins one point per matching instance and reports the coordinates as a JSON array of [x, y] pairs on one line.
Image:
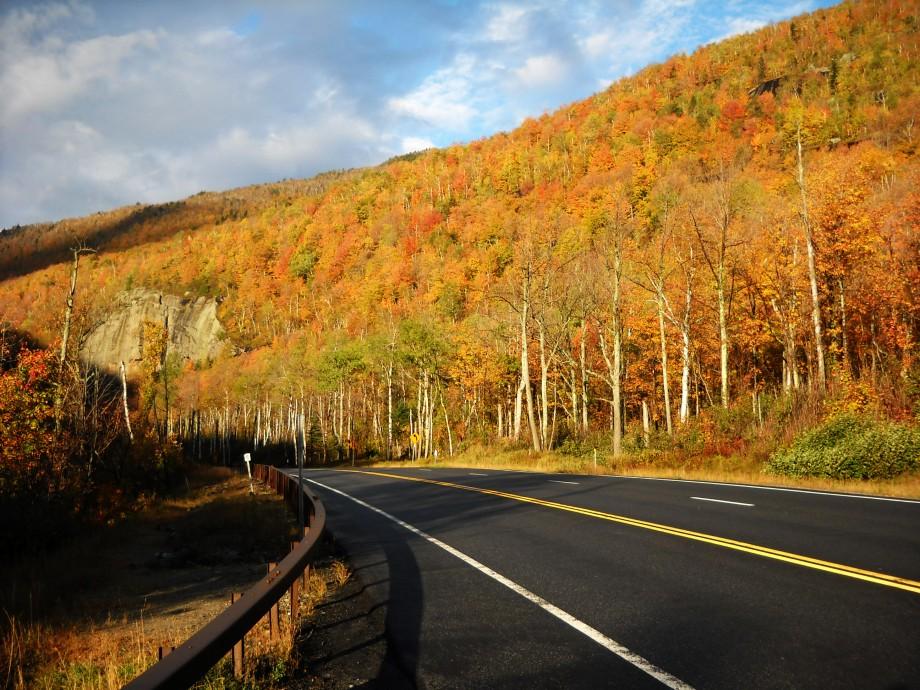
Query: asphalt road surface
[[494, 579]]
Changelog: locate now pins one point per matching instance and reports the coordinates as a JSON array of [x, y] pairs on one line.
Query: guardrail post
[[274, 629], [295, 600], [295, 593], [238, 652], [274, 622], [305, 577]]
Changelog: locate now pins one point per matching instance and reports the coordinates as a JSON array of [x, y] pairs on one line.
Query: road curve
[[513, 579]]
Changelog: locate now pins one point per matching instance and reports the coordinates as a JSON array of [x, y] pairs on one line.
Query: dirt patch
[[343, 645]]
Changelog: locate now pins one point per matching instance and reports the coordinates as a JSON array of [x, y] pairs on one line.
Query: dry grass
[[717, 468], [340, 573], [151, 580]]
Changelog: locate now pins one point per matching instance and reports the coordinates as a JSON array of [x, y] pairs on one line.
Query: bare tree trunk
[[723, 336], [341, 412], [428, 404], [645, 423], [165, 371], [552, 432], [685, 350], [68, 312], [789, 355], [389, 373], [531, 412], [348, 419], [844, 343], [574, 394], [450, 437], [518, 408], [812, 270], [685, 378], [420, 421], [544, 399], [617, 353], [664, 359], [65, 340], [124, 400], [584, 378], [525, 365]]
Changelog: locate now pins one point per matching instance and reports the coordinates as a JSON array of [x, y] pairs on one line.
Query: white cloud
[[89, 122], [739, 25], [508, 24], [411, 144], [326, 93], [20, 24], [541, 70], [597, 44], [217, 37], [286, 148], [760, 18], [444, 98], [640, 38], [40, 80]]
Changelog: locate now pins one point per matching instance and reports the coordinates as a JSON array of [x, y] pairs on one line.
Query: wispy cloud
[[540, 70], [38, 80], [410, 144], [443, 99], [507, 24]]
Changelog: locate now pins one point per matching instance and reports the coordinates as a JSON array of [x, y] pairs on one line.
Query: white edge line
[[766, 488], [559, 481], [478, 474], [611, 645], [717, 500]]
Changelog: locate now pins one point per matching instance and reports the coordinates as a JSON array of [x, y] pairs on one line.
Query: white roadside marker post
[[247, 458]]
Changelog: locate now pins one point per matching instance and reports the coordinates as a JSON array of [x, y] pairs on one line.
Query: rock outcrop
[[194, 331]]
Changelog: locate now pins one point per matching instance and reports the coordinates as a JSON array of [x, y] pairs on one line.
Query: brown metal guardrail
[[194, 658]]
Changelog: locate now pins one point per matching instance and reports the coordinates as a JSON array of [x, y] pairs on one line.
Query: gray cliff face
[[194, 332]]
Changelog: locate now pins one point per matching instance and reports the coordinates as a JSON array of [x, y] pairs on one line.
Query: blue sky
[[112, 102]]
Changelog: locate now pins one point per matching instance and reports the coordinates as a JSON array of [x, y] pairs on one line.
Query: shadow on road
[[368, 636]]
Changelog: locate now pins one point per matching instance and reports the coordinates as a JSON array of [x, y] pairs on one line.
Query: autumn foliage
[[647, 245], [65, 459]]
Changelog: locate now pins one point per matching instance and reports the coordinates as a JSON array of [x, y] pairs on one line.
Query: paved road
[[512, 579]]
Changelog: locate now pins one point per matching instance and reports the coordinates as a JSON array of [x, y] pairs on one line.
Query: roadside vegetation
[[843, 441], [848, 446], [93, 612]]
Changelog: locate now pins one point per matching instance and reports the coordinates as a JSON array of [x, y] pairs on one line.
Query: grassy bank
[[93, 613], [743, 469]]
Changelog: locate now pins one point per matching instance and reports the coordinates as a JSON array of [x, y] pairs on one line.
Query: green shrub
[[303, 262], [850, 447], [735, 421], [573, 446]]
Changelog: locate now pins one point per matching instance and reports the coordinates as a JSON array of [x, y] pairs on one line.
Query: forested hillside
[[713, 245]]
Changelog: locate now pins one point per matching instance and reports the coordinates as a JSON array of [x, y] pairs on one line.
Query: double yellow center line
[[764, 551]]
